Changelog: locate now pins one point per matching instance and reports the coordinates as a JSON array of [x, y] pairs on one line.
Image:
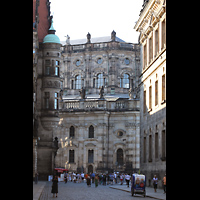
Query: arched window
[[72, 132], [78, 82], [126, 81], [120, 156], [100, 80], [91, 132]]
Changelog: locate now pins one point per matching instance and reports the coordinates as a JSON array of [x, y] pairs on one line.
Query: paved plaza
[[76, 191]]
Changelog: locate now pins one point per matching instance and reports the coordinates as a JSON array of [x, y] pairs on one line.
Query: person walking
[[82, 176], [111, 178], [164, 183], [104, 179], [155, 182], [54, 186], [128, 179], [96, 180], [88, 181]]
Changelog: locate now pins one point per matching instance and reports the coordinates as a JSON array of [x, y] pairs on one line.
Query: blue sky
[[99, 17]]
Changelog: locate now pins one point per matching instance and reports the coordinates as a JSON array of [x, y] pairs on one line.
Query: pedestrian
[[121, 178], [155, 182], [111, 176], [55, 186], [108, 179], [164, 183], [115, 175], [104, 179], [88, 181], [127, 179], [36, 177], [92, 176], [96, 180], [82, 176], [66, 177]]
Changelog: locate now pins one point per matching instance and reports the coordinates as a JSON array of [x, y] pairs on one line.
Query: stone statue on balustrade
[[82, 93], [101, 92]]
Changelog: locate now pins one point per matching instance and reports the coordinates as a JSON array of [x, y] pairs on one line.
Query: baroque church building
[[99, 105], [86, 103]]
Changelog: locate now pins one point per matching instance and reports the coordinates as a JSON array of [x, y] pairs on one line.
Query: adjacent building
[[152, 27]]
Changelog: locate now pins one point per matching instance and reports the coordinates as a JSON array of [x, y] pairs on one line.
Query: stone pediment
[[90, 145]]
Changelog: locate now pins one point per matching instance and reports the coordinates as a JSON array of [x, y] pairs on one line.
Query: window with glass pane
[[56, 71], [100, 80], [56, 101], [71, 156], [126, 81], [90, 156], [78, 82], [71, 132], [91, 132]]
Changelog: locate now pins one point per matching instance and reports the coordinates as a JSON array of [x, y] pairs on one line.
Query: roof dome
[[51, 37]]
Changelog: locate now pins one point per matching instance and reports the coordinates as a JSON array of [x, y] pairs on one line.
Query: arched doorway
[[90, 169], [120, 157]]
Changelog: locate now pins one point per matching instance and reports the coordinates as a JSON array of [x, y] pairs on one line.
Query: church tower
[[48, 101]]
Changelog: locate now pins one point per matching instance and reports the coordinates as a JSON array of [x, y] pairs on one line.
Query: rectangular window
[[156, 41], [163, 87], [156, 93], [150, 49], [57, 62], [150, 98], [47, 70], [56, 101], [144, 102], [93, 82], [163, 34], [56, 71], [150, 152], [71, 156], [156, 145], [90, 156]]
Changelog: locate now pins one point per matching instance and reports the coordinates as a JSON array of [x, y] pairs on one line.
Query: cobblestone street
[[76, 191]]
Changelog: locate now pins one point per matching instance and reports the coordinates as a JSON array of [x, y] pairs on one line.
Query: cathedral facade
[[99, 106]]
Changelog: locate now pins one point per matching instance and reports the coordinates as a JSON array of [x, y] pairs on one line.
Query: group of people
[[155, 183], [101, 178]]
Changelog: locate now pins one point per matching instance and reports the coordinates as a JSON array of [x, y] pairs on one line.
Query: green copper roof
[[51, 38]]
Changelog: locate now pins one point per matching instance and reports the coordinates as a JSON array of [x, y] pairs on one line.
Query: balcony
[[99, 105]]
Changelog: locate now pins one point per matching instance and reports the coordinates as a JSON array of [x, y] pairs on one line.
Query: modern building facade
[[152, 27]]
